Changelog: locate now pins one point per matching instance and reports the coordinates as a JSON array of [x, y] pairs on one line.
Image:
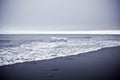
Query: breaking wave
[[55, 47]]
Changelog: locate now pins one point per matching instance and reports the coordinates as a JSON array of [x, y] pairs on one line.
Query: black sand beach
[[103, 64]]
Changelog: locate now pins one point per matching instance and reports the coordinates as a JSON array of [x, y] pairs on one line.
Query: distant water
[[17, 48]]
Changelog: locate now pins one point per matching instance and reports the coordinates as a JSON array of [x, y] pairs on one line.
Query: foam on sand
[[59, 47]]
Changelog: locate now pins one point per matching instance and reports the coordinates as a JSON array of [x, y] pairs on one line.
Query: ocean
[[19, 48]]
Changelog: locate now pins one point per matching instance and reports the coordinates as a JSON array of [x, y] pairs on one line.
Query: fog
[[59, 15]]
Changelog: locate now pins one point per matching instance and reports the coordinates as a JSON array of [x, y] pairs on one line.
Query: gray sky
[[59, 15]]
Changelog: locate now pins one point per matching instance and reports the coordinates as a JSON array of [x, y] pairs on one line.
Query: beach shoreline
[[96, 65]]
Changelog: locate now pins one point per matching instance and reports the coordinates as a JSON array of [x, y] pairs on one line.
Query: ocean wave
[[47, 50]]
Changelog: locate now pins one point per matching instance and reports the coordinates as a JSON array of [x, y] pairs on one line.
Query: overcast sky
[[59, 15]]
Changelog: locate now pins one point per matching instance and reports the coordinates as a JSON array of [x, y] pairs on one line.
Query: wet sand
[[103, 64]]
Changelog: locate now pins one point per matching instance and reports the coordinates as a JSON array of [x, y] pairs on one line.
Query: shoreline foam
[[35, 51]]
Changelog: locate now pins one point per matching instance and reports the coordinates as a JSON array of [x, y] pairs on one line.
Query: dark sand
[[103, 64]]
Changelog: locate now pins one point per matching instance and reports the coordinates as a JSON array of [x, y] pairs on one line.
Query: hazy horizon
[[63, 32]]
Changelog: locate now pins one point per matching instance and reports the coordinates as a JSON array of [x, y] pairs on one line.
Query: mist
[[59, 15]]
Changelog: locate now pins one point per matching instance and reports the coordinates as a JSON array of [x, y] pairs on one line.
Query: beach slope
[[103, 64]]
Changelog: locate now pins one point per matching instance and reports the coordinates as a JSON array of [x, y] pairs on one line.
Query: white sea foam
[[58, 39], [48, 50]]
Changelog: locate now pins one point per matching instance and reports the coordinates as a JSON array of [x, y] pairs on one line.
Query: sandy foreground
[[103, 64]]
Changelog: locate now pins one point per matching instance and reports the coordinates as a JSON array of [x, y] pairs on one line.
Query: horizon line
[[64, 32]]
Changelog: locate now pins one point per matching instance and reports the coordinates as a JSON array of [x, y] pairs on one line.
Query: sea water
[[19, 48]]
